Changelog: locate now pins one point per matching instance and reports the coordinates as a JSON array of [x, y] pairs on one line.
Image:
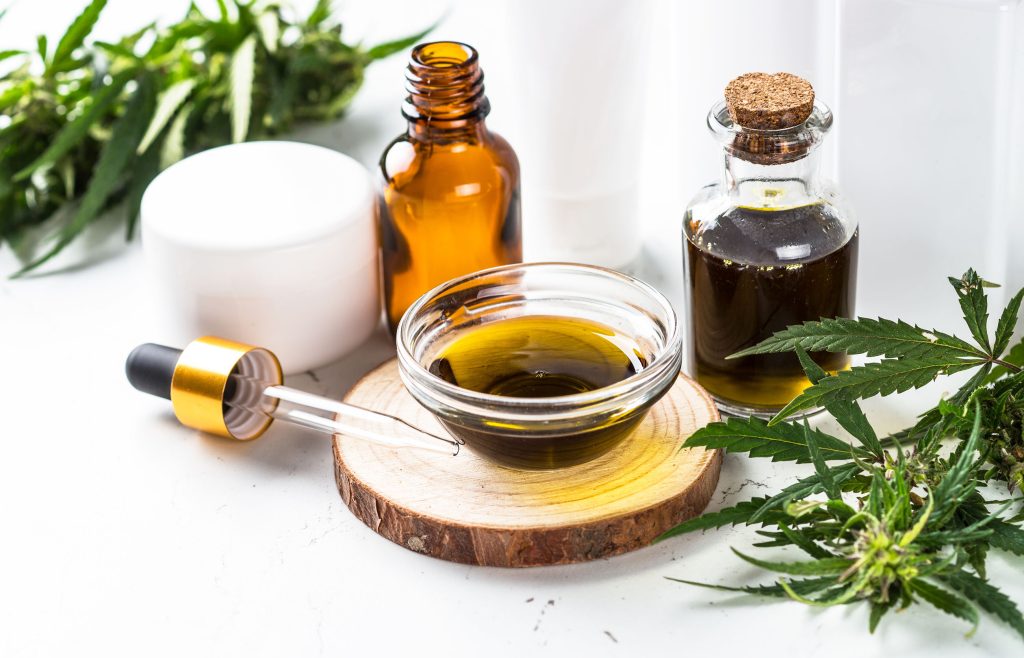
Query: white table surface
[[127, 534]]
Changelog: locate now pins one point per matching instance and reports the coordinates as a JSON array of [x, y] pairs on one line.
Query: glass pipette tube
[[234, 390], [323, 414]]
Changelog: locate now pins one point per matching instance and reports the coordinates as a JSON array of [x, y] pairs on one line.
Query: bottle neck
[[771, 169], [773, 186], [428, 130], [445, 88]]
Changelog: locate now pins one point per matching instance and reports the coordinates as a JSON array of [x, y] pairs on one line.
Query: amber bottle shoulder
[[407, 160]]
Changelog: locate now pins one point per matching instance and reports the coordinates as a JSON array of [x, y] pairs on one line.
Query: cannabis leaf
[[886, 553], [891, 521], [803, 489], [729, 516], [382, 50], [762, 510], [249, 72], [115, 157], [987, 596], [781, 443], [243, 68], [806, 586], [847, 412], [1007, 323], [75, 35], [946, 601], [170, 100], [913, 357], [74, 132], [974, 303], [1005, 536], [873, 337], [828, 482], [824, 566], [880, 378]]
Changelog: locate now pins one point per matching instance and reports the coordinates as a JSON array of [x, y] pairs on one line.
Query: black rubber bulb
[[150, 368]]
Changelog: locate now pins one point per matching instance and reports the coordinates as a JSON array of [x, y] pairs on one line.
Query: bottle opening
[[443, 54], [445, 85]]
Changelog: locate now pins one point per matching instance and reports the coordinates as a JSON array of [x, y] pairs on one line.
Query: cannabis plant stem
[[1006, 364]]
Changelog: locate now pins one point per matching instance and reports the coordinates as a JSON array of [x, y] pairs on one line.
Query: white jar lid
[[267, 243], [256, 195]]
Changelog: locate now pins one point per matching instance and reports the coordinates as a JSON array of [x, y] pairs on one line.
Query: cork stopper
[[769, 101]]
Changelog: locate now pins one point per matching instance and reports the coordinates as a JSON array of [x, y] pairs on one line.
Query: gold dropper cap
[[199, 381]]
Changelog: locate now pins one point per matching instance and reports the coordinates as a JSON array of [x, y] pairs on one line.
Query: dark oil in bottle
[[540, 357], [743, 292]]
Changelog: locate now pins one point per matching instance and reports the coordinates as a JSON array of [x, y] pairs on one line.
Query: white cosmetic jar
[[268, 243]]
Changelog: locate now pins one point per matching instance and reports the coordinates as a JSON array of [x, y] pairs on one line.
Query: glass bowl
[[548, 432]]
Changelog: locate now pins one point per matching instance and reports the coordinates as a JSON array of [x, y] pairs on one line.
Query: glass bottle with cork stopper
[[450, 198], [769, 245]]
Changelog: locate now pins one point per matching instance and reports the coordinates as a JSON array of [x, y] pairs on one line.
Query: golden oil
[[739, 301], [540, 357]]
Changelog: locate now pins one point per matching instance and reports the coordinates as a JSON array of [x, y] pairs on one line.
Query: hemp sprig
[[894, 520], [84, 127]]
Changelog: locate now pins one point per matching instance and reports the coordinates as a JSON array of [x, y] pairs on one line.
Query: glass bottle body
[[768, 246], [450, 206], [450, 190]]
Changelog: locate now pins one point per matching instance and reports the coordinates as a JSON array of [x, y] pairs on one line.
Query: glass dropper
[[234, 390]]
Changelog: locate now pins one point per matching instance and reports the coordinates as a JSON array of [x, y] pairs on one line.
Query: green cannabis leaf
[[914, 356], [879, 337], [890, 521], [881, 378], [85, 126], [781, 442]]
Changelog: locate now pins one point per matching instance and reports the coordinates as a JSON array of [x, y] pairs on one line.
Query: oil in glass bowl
[[540, 357]]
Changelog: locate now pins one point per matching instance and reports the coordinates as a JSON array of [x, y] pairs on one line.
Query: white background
[[125, 534]]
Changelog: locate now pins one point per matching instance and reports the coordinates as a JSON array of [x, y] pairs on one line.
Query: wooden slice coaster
[[468, 510]]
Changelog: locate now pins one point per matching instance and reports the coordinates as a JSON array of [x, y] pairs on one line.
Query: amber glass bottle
[[450, 198]]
